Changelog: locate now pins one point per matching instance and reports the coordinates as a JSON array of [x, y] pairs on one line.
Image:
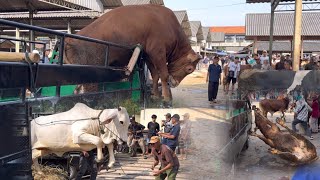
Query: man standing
[[168, 159], [153, 128], [264, 57], [301, 115], [233, 73], [258, 64], [135, 129], [172, 138], [87, 162], [214, 78]]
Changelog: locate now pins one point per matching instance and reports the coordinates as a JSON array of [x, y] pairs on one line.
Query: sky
[[218, 12]]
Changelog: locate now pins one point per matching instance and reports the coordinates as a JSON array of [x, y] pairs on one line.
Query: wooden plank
[[18, 57]]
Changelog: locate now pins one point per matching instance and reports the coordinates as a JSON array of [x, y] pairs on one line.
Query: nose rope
[[101, 127]]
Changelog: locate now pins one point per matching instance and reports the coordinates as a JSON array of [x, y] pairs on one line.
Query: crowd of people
[[226, 70], [165, 141]]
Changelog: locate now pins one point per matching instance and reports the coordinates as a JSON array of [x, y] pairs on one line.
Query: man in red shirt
[[313, 121], [168, 159]]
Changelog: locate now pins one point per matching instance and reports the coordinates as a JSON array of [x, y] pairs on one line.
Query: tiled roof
[[229, 29], [285, 46], [259, 24]]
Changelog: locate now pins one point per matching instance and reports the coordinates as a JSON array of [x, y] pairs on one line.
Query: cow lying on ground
[[288, 145], [167, 49], [273, 105], [79, 129]]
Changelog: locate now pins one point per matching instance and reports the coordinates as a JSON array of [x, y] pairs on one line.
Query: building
[[234, 38]]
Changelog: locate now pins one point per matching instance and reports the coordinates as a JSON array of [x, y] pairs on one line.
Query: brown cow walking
[[273, 105]]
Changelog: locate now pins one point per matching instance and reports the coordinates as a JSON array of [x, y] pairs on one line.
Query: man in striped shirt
[[301, 115]]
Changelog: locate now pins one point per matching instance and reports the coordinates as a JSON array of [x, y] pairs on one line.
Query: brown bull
[[288, 145], [273, 105], [168, 53]]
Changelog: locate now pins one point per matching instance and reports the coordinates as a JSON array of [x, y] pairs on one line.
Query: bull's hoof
[[111, 165]]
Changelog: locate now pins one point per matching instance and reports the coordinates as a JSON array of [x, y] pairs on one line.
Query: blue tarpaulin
[[307, 172]]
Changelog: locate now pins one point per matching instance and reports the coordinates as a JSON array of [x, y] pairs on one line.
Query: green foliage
[[132, 107]]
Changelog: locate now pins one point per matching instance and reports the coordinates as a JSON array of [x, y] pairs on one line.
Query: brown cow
[[290, 146], [168, 53], [273, 105]]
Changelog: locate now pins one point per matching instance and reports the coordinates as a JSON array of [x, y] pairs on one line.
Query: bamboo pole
[[18, 57]]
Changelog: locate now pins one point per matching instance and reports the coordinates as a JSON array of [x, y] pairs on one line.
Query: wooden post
[[17, 42], [255, 45], [133, 60], [297, 35]]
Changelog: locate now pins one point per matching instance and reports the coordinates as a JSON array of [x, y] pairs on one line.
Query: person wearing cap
[[153, 128], [214, 79], [135, 130], [172, 138], [264, 57], [169, 162], [301, 115]]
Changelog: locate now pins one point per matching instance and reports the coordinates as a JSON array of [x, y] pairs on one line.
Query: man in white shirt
[[233, 73], [264, 57], [301, 116]]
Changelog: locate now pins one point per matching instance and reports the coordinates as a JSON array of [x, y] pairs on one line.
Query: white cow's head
[[116, 123]]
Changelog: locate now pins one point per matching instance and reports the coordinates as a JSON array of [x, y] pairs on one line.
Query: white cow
[[79, 129]]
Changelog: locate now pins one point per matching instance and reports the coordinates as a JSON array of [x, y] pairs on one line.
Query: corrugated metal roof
[[205, 31], [135, 2], [259, 24], [196, 29], [182, 18], [111, 3], [95, 5], [286, 46], [180, 15], [268, 1], [159, 2], [217, 36], [20, 5], [49, 14]]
